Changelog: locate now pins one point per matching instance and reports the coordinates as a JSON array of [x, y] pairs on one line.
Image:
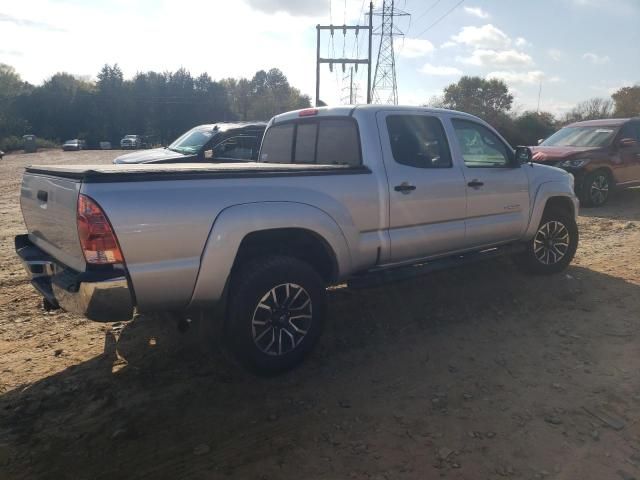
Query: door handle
[[475, 183], [404, 187]]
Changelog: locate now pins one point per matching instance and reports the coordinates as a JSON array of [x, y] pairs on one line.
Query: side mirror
[[523, 155], [627, 142], [540, 140]]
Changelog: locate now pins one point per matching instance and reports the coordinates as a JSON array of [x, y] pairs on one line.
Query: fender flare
[[234, 223], [545, 192]]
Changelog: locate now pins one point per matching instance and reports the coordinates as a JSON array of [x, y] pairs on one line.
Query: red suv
[[601, 154]]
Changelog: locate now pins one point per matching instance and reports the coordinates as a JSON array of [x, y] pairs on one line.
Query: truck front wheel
[[552, 247], [275, 313]]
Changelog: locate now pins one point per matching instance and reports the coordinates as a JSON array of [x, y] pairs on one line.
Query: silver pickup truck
[[350, 195]]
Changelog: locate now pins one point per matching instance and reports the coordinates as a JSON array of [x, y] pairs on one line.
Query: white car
[[74, 144], [131, 141]]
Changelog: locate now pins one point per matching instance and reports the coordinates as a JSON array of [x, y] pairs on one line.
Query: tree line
[[160, 106], [163, 105], [491, 100]]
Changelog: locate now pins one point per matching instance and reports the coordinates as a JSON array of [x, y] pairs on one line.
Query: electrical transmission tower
[[385, 86], [349, 90]]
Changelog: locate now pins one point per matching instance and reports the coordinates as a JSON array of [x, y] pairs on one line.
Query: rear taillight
[[97, 239]]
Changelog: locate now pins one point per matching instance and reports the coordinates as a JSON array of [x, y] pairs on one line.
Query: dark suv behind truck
[[214, 143], [601, 154]]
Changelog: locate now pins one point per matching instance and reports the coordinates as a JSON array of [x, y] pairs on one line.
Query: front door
[[497, 187], [427, 199]]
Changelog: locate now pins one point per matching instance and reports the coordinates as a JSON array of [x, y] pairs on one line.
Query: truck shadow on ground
[[161, 404]]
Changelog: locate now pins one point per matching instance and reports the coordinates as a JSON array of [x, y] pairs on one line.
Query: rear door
[[628, 141], [235, 149], [497, 188], [426, 190]]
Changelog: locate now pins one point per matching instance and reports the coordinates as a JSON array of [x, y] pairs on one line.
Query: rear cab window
[[319, 141], [277, 144]]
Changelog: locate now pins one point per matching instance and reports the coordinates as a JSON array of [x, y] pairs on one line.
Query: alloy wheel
[[599, 190], [282, 319], [551, 243]]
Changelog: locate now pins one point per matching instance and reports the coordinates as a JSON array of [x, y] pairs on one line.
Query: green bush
[[8, 144], [44, 143]]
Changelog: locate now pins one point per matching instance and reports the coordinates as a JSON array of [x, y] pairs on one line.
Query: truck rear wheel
[[276, 309], [552, 247]]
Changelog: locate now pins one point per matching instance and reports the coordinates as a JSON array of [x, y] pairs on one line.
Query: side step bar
[[376, 278]]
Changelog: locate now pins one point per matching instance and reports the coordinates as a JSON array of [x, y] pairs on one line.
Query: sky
[[565, 50]]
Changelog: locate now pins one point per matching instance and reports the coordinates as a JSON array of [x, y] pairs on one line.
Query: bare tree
[[592, 109]]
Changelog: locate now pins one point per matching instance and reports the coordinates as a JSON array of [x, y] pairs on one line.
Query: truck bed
[[185, 171]]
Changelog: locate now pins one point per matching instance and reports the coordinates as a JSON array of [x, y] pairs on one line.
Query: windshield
[[192, 141], [580, 137], [130, 136]]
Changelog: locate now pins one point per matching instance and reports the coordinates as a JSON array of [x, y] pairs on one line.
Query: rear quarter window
[[328, 141], [278, 144]]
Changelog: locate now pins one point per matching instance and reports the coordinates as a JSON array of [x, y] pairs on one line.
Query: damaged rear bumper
[[102, 295]]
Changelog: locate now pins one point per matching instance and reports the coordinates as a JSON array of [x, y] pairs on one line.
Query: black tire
[[596, 189], [545, 262], [255, 319]]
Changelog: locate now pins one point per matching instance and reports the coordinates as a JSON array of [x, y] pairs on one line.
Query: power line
[[433, 5], [441, 18]]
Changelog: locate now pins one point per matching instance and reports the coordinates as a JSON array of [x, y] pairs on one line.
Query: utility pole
[[385, 85], [351, 88], [348, 99], [345, 61], [539, 95]]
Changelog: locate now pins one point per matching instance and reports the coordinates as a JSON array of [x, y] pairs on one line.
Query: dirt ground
[[474, 373]]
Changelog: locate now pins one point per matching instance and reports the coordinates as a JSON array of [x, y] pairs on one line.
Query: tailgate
[[49, 205]]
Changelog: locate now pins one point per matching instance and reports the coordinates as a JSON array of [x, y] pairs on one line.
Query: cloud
[[622, 7], [523, 78], [596, 59], [609, 88], [415, 47], [555, 54], [448, 44], [440, 71], [292, 7], [522, 42], [486, 36], [497, 58], [476, 12], [23, 22], [12, 53]]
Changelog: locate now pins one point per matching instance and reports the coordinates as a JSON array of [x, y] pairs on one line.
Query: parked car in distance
[[603, 155], [218, 142], [75, 144], [362, 195], [132, 142]]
